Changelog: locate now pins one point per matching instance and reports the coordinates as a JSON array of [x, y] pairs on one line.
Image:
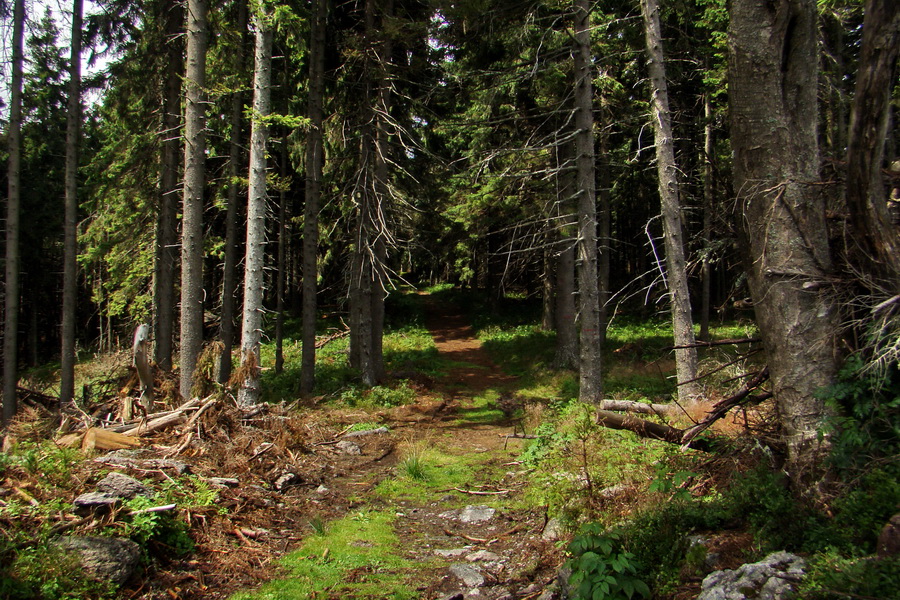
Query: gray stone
[[287, 479], [773, 578], [552, 531], [123, 486], [482, 556], [476, 514], [469, 575], [451, 553], [453, 596], [377, 431], [348, 447], [94, 502], [104, 558], [224, 481]]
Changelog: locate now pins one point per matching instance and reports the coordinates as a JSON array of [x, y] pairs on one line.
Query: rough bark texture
[[566, 332], [14, 140], [591, 388], [230, 267], [708, 191], [192, 212], [313, 192], [281, 269], [254, 281], [866, 193], [667, 170], [70, 242], [772, 90], [166, 260]]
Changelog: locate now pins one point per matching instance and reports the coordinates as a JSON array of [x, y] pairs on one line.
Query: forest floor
[[324, 479]]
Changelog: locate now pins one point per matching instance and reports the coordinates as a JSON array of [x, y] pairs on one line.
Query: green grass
[[354, 557], [428, 472]]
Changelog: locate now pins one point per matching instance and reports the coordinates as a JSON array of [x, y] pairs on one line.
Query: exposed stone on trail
[[123, 486], [94, 502], [482, 556], [476, 514], [453, 596], [348, 447], [773, 578], [553, 530], [452, 553], [224, 481], [104, 558], [378, 431], [287, 479], [469, 575]]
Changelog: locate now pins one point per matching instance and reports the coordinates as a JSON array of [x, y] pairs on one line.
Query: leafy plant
[[146, 527], [601, 570]]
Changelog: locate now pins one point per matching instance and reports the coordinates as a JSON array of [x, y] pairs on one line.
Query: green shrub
[[601, 569], [833, 577]]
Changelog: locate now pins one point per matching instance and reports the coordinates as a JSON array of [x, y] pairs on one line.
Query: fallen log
[[648, 429], [638, 407], [721, 408]]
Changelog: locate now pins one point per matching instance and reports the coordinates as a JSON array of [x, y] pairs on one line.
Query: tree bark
[[667, 169], [566, 332], [866, 194], [772, 91], [166, 259], [708, 191], [232, 210], [192, 212], [254, 282], [591, 385], [70, 241], [281, 269], [314, 154], [14, 139]]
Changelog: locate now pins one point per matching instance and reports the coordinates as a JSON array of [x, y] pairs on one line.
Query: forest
[[230, 198]]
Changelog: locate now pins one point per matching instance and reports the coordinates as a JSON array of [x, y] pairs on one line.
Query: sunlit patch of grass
[[425, 472], [356, 557], [483, 408]]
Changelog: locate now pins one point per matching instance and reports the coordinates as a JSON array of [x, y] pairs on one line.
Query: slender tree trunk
[[166, 226], [591, 384], [772, 91], [281, 273], [708, 192], [192, 212], [667, 169], [566, 331], [314, 156], [14, 139], [232, 210], [877, 237], [254, 282], [605, 234], [70, 241]]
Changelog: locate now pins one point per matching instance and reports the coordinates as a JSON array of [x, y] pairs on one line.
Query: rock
[[224, 481], [889, 538], [104, 558], [451, 553], [468, 574], [287, 479], [772, 578], [348, 447], [378, 431], [123, 486], [482, 556], [552, 531], [453, 596], [476, 514], [321, 490], [94, 502]]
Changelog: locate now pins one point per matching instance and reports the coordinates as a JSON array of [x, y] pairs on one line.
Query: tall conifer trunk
[[166, 260], [254, 282], [772, 93], [314, 154], [591, 385], [70, 242], [14, 139], [194, 179], [676, 268]]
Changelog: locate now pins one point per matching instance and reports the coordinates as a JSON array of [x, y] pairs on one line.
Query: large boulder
[[104, 558], [773, 578]]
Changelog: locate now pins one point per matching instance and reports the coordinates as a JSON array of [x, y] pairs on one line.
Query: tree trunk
[[232, 210], [591, 385], [667, 169], [70, 241], [166, 226], [566, 332], [192, 212], [314, 155], [254, 282], [866, 194], [281, 269], [772, 91], [14, 139], [708, 191]]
